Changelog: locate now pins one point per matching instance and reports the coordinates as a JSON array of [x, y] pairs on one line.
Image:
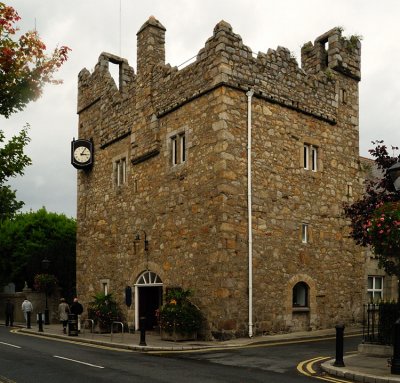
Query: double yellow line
[[307, 368]]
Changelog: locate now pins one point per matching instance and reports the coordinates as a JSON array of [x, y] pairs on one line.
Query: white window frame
[[105, 286], [304, 233], [310, 157], [120, 170], [314, 158], [306, 156], [182, 146], [375, 293], [178, 149]]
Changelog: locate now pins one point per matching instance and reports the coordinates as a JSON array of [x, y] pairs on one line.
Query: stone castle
[[226, 177]]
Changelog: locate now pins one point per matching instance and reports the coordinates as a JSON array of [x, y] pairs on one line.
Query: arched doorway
[[148, 298]]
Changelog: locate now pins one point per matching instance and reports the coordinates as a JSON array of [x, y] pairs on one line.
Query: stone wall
[[195, 214], [38, 302]]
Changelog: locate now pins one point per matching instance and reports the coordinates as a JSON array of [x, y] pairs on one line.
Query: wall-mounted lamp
[[146, 242]]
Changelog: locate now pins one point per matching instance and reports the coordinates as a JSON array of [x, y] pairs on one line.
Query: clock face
[[82, 154]]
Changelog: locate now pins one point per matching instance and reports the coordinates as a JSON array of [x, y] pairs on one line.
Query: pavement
[[358, 367]]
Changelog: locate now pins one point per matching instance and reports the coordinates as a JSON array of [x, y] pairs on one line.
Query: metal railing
[[371, 323], [112, 329], [378, 322]]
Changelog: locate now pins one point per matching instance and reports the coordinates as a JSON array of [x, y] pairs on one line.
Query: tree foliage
[[12, 163], [24, 65], [25, 68], [28, 238], [365, 214], [384, 233]]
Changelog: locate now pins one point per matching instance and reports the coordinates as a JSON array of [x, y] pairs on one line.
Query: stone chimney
[[150, 46]]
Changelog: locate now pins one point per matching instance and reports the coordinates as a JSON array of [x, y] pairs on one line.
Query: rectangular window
[[105, 286], [343, 96], [120, 171], [375, 288], [310, 157], [178, 149], [174, 148], [182, 147], [349, 190], [314, 158], [304, 233], [306, 156]]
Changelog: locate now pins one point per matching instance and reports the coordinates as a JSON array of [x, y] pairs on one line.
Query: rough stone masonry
[[171, 149]]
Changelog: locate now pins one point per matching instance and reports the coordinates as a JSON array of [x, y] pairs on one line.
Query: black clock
[[82, 153]]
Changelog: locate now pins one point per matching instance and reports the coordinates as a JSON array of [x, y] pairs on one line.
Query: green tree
[[28, 238], [374, 217], [12, 163], [24, 70]]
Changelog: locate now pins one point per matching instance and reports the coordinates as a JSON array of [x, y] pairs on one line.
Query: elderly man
[[27, 309]]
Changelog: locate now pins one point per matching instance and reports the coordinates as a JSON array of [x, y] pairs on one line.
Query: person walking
[[9, 313], [77, 309], [63, 311], [27, 309]]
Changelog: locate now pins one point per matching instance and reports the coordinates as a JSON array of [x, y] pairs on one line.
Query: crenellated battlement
[[223, 61], [333, 51]]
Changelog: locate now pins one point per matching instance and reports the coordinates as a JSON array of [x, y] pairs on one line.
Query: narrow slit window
[[304, 233], [310, 157], [314, 158], [343, 96], [120, 170], [182, 147], [174, 147], [306, 155], [178, 149]]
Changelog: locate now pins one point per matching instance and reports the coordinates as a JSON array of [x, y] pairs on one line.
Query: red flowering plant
[[383, 229], [104, 310]]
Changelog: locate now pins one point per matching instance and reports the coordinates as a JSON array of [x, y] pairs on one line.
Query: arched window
[[300, 295], [149, 278]]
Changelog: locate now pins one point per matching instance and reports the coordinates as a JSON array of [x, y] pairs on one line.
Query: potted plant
[[180, 319], [104, 310]]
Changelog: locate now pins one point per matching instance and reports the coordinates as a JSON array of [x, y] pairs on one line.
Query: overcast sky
[[90, 27]]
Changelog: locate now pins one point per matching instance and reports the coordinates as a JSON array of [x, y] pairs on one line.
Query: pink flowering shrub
[[384, 229]]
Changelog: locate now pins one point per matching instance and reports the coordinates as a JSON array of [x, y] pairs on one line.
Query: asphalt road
[[31, 359]]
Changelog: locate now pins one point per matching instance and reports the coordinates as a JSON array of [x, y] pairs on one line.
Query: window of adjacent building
[[120, 171], [178, 149], [375, 288], [304, 233], [310, 157], [300, 295]]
